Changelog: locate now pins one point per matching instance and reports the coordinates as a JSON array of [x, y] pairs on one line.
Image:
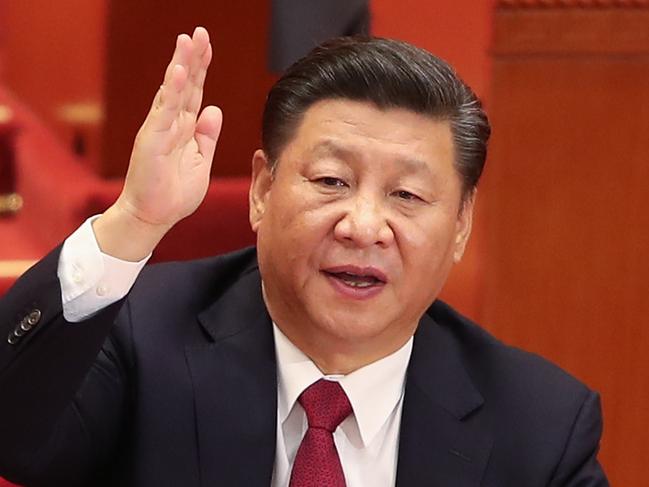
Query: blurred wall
[[90, 69], [54, 51], [458, 31], [566, 204], [54, 60], [238, 79]]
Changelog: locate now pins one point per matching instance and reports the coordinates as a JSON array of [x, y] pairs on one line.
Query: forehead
[[346, 128]]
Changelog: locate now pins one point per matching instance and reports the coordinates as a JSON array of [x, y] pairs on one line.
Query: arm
[[62, 384], [39, 414], [578, 465]]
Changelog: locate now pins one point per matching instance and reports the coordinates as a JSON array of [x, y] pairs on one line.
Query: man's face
[[358, 227]]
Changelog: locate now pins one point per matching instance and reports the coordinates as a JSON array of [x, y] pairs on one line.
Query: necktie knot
[[326, 405]]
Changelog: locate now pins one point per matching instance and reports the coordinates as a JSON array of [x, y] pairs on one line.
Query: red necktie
[[317, 463]]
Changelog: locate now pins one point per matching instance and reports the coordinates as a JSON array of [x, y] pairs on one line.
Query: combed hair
[[389, 74]]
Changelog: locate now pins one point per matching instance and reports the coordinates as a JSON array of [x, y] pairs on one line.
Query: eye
[[406, 195], [332, 182]]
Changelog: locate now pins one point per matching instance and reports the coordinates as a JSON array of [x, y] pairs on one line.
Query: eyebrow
[[328, 147]]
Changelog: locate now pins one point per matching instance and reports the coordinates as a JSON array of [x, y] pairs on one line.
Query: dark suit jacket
[[176, 386]]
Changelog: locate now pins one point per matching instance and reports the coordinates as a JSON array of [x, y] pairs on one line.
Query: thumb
[[208, 128]]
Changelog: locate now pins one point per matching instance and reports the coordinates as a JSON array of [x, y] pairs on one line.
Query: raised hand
[[169, 171]]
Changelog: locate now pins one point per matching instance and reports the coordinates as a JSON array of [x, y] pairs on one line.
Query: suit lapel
[[442, 440], [235, 388]]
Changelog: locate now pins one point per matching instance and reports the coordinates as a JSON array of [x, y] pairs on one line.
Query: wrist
[[122, 235]]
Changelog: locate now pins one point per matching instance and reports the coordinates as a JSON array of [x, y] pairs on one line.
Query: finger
[[170, 97], [208, 129], [198, 82], [198, 63], [205, 63], [181, 55], [167, 103], [201, 43]]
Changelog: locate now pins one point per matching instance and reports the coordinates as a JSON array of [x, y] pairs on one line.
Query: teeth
[[357, 284], [357, 281]]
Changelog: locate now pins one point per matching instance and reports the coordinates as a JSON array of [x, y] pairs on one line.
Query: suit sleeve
[[579, 466], [62, 384]]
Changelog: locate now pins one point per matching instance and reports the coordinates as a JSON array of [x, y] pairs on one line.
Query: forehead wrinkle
[[366, 130], [328, 147]]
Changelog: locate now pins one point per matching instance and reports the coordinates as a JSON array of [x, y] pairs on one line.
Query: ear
[[260, 184], [463, 225]]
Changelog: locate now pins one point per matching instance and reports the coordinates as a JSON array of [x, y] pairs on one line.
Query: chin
[[351, 326]]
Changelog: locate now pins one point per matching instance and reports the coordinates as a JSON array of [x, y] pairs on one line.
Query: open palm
[[170, 164]]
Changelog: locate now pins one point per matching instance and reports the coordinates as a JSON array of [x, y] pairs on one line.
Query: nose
[[364, 223]]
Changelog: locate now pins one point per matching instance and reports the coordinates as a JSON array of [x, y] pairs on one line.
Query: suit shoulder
[[199, 279], [501, 368]]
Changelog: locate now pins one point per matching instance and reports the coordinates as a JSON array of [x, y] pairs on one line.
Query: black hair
[[389, 74]]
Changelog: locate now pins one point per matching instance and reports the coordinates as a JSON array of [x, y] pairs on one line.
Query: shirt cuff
[[91, 280]]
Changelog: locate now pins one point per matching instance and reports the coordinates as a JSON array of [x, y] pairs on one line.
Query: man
[[321, 358]]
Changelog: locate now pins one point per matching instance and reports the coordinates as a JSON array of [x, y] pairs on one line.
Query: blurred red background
[[556, 264]]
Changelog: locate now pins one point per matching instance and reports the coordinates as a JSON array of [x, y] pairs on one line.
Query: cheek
[[426, 243], [418, 235], [297, 234], [410, 235]]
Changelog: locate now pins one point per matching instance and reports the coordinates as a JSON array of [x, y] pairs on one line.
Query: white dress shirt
[[91, 280], [367, 441]]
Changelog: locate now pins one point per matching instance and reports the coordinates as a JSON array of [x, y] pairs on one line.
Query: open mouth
[[357, 279]]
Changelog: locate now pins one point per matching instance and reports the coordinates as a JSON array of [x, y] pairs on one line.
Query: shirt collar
[[374, 391]]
